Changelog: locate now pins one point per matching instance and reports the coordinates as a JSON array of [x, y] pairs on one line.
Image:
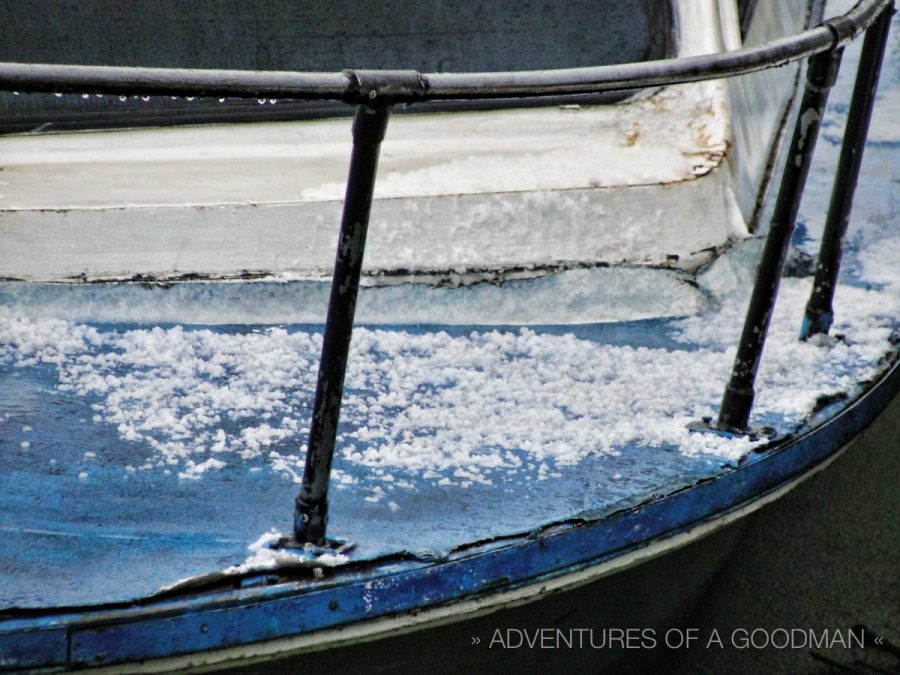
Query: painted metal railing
[[734, 412], [375, 92]]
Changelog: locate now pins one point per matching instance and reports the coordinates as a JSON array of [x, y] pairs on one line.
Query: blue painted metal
[[240, 617], [28, 644]]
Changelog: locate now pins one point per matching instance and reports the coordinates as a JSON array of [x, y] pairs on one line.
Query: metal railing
[[375, 92]]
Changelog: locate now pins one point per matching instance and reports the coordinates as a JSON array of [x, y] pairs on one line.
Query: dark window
[[426, 35]]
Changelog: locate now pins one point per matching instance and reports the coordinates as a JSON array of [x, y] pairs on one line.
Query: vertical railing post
[[819, 313], [311, 508], [738, 399]]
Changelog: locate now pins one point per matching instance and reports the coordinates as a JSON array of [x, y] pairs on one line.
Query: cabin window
[[426, 35]]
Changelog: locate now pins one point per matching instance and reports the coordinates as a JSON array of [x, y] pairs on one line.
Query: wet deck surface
[[105, 502], [134, 456]]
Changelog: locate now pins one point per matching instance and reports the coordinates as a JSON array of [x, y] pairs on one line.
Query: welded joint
[[843, 29], [385, 87]]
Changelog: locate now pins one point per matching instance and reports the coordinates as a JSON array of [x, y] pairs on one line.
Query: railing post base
[[735, 411], [816, 322], [310, 519]]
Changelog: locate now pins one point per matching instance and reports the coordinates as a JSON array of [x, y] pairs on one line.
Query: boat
[[555, 414]]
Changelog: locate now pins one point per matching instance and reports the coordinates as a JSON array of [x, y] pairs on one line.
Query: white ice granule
[[450, 408], [376, 494], [263, 557], [265, 540], [195, 471]]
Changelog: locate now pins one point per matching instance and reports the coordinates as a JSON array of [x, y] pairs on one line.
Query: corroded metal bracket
[[376, 86]]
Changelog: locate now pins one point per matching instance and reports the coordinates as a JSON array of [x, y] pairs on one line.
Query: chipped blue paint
[[111, 538], [28, 644], [239, 617]]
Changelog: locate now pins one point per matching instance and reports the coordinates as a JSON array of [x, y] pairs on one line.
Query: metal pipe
[[819, 313], [311, 509], [366, 86], [738, 398]]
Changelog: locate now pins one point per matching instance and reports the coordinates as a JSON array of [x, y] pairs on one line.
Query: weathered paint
[[311, 505], [737, 401], [239, 617], [165, 202]]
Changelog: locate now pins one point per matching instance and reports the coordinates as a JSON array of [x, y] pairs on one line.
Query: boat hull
[[619, 622]]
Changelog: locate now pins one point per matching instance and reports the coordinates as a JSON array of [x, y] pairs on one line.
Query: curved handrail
[[393, 86], [375, 91]]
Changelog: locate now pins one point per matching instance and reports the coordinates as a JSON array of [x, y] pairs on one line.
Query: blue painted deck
[[94, 529], [133, 456], [187, 624]]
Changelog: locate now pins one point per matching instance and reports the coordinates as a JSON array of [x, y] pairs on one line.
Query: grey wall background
[[426, 35]]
